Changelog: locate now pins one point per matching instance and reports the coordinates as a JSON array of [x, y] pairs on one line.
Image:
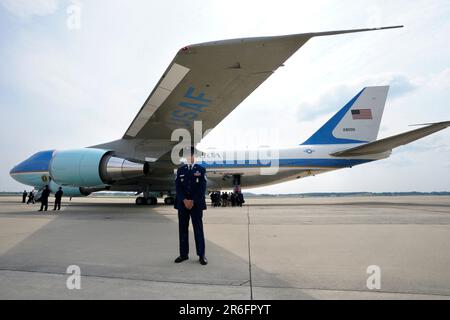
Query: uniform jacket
[[59, 194], [191, 185], [45, 194]]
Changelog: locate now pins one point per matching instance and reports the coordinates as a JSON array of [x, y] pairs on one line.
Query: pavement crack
[[124, 278], [249, 253], [243, 283]]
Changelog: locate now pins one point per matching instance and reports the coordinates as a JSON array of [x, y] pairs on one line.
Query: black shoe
[[203, 261], [181, 259]]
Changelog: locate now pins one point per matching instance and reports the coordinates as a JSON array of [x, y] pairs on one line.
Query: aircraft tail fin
[[357, 122], [390, 143]]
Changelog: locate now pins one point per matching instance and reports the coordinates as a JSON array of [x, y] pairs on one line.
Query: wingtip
[[336, 32], [390, 27], [445, 123]]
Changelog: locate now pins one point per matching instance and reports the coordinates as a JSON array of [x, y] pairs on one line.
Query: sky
[[69, 83]]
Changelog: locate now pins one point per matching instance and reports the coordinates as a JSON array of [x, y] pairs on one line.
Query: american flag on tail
[[361, 114]]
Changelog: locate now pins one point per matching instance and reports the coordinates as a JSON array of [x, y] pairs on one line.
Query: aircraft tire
[[169, 200]]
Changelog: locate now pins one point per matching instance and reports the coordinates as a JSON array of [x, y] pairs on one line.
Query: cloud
[[440, 79], [400, 85], [28, 8], [335, 97], [329, 101]]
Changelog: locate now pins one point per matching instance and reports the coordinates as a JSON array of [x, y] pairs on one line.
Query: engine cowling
[[91, 167], [73, 191]]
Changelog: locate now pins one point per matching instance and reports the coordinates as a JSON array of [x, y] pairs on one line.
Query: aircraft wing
[[390, 143], [209, 80]]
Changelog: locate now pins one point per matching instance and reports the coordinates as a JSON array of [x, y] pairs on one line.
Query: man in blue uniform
[[44, 198], [58, 197], [190, 186]]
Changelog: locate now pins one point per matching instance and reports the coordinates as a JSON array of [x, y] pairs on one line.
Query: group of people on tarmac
[[226, 199], [43, 198], [30, 197]]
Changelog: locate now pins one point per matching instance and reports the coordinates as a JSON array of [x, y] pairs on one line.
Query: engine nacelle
[[68, 191], [90, 167], [73, 191]]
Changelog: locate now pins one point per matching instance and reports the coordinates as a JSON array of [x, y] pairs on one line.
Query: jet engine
[[74, 191], [91, 167]]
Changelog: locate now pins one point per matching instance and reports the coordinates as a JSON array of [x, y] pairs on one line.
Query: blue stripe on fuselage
[[339, 163], [36, 163]]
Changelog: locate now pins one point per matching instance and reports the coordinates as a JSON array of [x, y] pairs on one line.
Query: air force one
[[205, 82]]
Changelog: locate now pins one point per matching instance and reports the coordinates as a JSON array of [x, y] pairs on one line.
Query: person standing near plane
[[44, 198], [233, 199], [212, 196], [24, 196], [224, 198], [58, 196], [31, 197], [190, 185], [241, 200]]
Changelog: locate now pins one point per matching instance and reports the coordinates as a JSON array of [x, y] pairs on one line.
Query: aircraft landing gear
[[237, 183], [147, 199], [169, 200], [150, 201]]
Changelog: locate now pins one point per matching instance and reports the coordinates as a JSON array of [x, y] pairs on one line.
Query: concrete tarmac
[[274, 248]]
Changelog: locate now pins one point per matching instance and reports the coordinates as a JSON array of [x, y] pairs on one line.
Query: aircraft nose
[[12, 171]]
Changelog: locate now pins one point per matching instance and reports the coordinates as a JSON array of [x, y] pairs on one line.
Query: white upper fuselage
[[268, 166]]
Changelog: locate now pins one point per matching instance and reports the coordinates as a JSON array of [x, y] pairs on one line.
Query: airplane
[[205, 82]]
